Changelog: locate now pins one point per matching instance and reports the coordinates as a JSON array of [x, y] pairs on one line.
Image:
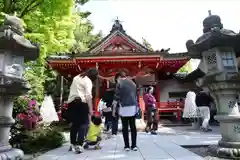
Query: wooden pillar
[[158, 92], [141, 101], [97, 91], [97, 99], [61, 91], [107, 81], [158, 95]]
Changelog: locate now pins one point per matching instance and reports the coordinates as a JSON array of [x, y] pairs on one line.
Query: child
[[94, 133]]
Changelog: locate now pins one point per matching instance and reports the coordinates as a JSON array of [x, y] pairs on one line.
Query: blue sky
[[164, 23]]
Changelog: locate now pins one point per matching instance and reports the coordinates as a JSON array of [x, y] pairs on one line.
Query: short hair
[[97, 120], [121, 74]]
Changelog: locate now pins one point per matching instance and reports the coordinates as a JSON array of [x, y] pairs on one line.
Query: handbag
[[139, 113]]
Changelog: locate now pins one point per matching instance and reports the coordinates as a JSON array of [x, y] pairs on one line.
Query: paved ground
[[164, 146]]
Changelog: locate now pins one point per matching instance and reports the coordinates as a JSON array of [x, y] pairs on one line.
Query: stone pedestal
[[225, 94], [6, 121]]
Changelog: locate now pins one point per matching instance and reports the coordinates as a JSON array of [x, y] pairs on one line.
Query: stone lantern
[[218, 50], [14, 51]]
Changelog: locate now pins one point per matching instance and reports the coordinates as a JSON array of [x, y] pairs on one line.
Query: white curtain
[[48, 111], [190, 108]]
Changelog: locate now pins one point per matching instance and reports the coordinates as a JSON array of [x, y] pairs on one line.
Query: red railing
[[176, 106], [170, 105]]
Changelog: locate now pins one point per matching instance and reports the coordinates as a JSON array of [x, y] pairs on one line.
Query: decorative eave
[[124, 57], [118, 32], [98, 45]]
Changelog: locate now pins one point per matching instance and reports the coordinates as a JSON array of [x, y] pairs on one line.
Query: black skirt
[[78, 112]]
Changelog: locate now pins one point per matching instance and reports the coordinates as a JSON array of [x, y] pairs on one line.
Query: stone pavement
[[164, 146]]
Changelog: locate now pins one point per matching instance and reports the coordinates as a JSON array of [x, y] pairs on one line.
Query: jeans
[[115, 125], [129, 121], [108, 121], [79, 117], [78, 133], [205, 114], [152, 119]]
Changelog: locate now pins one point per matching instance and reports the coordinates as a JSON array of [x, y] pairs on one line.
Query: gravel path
[[203, 152]]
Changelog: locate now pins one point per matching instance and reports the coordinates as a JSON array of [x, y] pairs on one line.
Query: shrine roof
[[118, 44], [117, 29]]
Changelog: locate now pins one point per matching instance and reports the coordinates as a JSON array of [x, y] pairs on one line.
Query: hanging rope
[[133, 77]]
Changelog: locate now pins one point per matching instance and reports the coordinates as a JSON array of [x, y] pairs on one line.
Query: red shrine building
[[120, 52]]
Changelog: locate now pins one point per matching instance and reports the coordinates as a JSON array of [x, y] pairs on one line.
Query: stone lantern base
[[11, 154], [224, 152], [6, 121]]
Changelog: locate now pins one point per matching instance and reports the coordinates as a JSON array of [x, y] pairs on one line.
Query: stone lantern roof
[[214, 35], [12, 39]]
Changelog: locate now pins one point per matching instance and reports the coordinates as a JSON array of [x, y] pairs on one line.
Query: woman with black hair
[[152, 114], [80, 107], [126, 98]]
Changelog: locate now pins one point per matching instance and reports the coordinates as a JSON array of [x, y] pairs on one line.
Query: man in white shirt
[[80, 107]]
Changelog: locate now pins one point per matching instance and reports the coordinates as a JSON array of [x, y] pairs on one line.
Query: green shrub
[[41, 140], [61, 125]]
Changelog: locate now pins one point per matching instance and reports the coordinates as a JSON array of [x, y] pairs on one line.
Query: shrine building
[[120, 52]]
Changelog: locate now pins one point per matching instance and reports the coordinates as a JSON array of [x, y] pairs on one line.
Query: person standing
[[108, 98], [152, 114], [203, 101], [107, 112], [126, 97], [80, 107], [190, 110]]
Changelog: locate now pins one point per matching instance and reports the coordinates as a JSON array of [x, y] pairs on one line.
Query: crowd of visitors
[[119, 101]]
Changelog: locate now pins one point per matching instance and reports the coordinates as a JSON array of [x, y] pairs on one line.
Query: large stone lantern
[[218, 50], [14, 51]]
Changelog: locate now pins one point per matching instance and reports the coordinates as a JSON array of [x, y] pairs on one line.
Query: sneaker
[[127, 149], [134, 148], [72, 148], [205, 129], [97, 147], [114, 136], [153, 132], [79, 149], [85, 145]]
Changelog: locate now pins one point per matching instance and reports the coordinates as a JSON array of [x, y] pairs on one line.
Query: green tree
[[50, 23], [147, 44], [187, 68], [83, 35]]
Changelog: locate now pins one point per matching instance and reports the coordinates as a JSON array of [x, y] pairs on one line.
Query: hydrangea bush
[[28, 133]]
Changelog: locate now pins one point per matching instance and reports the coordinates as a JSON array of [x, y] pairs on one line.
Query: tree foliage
[[187, 68], [52, 23], [83, 35], [147, 44]]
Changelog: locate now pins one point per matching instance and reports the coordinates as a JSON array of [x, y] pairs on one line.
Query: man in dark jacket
[[111, 122], [203, 101]]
